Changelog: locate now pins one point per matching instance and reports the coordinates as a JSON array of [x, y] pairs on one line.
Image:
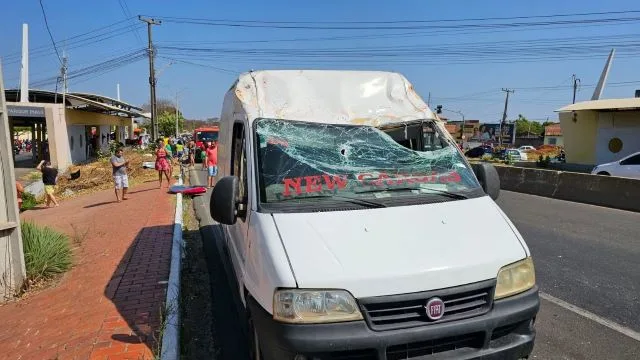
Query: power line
[[127, 14], [426, 21], [406, 25], [201, 65], [46, 23]]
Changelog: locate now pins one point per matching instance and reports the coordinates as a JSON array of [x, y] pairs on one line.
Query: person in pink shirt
[[212, 162]]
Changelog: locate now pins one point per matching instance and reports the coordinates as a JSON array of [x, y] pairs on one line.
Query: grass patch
[[34, 175], [47, 252], [29, 201]]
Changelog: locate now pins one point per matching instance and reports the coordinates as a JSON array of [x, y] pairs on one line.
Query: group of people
[[165, 156]]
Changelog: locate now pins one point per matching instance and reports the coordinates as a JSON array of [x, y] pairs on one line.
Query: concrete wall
[[554, 140], [580, 136], [624, 125], [77, 143], [610, 191]]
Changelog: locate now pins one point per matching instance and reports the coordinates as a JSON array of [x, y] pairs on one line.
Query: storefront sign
[[25, 111]]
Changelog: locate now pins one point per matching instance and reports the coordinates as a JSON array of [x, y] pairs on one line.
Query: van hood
[[402, 249]]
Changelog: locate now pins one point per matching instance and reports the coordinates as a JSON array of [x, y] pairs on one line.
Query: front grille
[[424, 348], [408, 310], [364, 354]]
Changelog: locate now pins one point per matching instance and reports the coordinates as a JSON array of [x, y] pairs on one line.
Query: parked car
[[477, 152], [629, 166], [353, 233], [526, 148], [516, 154]]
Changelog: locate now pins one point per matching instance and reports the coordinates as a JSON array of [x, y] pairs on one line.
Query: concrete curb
[[171, 336]]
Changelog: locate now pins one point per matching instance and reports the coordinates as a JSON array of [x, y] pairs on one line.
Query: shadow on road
[[138, 287], [229, 333]]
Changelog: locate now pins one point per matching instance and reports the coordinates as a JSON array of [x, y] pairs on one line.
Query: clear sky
[[464, 68]]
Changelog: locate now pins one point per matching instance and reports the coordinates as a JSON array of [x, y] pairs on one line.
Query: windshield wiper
[[446, 193], [366, 203]]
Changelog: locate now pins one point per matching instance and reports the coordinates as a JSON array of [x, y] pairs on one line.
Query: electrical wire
[[46, 23]]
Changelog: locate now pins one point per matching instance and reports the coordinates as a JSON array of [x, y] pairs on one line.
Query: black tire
[[254, 342], [604, 173]]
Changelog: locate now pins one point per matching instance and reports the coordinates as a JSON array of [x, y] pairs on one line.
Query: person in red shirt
[[212, 162]]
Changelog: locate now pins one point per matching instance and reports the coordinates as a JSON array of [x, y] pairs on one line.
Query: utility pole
[[177, 116], [576, 81], [152, 75], [63, 73], [504, 114]]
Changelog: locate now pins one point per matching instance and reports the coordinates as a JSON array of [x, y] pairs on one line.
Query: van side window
[[239, 160]]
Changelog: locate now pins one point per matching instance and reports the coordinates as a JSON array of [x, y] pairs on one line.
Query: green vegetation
[[47, 252], [34, 175], [543, 162], [29, 201], [525, 127]]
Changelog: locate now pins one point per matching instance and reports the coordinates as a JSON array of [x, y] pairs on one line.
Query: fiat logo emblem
[[434, 308]]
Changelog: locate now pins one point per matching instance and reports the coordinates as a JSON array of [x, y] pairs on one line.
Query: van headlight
[[515, 278], [314, 306]]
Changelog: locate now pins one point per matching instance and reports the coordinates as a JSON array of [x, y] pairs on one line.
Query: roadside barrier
[[609, 191]]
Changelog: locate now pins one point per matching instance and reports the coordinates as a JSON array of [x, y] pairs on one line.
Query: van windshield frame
[[309, 166]]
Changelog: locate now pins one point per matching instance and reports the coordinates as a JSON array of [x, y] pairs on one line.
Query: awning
[[603, 104]]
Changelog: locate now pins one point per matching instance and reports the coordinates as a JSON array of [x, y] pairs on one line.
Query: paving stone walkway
[[109, 305]]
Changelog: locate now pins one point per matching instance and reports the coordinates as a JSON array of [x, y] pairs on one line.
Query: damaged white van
[[356, 229]]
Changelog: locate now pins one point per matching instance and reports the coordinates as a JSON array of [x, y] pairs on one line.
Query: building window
[[71, 142], [553, 141]]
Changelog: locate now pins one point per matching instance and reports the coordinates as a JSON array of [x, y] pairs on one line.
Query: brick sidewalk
[[108, 306]]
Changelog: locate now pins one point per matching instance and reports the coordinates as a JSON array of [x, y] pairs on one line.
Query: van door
[[238, 241]]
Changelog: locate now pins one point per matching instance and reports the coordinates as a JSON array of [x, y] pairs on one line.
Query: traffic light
[[438, 109]]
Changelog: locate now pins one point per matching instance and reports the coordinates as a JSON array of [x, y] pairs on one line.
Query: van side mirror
[[489, 179], [224, 205]]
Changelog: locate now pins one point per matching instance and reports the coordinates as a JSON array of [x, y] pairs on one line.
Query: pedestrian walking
[[192, 154], [203, 155], [120, 178], [49, 178], [212, 162], [162, 163]]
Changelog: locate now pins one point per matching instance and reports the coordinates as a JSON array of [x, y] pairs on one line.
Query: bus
[[203, 135]]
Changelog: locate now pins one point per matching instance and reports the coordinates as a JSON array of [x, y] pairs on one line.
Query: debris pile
[[97, 175]]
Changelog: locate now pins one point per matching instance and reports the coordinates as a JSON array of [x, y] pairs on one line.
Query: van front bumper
[[505, 332]]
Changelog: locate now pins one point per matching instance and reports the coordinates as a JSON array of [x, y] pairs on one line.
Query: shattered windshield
[[298, 160]]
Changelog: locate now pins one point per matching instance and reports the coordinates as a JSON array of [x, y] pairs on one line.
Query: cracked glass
[[298, 160]]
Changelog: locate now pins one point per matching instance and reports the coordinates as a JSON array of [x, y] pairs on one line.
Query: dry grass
[[545, 150], [98, 175]]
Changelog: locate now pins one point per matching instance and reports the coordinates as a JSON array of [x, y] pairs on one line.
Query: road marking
[[591, 316]]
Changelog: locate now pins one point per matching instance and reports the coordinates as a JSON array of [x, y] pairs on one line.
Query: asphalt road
[[585, 255]]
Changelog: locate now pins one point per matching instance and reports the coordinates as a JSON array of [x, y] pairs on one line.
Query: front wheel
[[604, 173], [254, 341]]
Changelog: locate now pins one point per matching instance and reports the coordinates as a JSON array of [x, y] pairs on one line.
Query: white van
[[356, 229]]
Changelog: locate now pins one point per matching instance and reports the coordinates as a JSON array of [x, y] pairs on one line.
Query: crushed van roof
[[327, 96]]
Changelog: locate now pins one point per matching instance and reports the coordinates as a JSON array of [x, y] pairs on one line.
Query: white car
[[626, 167], [526, 148], [516, 154]]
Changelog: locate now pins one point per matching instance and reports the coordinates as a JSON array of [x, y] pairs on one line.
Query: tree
[[161, 106], [167, 123], [525, 127]]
